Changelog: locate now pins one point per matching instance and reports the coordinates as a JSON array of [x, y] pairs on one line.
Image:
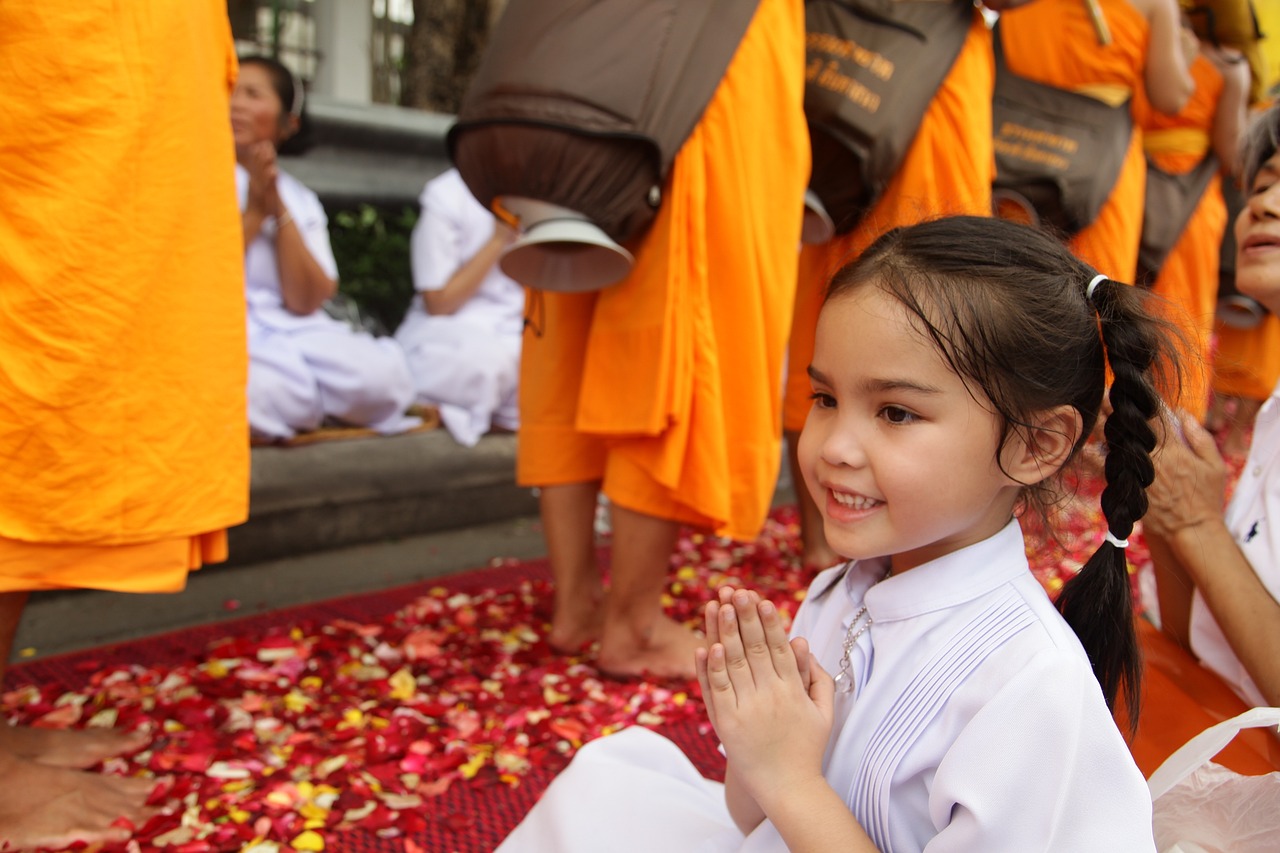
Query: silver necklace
[[857, 627]]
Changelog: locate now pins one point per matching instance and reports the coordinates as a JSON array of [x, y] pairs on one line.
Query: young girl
[[933, 697], [304, 366]]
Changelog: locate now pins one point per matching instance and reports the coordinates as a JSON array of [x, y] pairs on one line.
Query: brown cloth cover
[[872, 68], [584, 103], [1061, 150]]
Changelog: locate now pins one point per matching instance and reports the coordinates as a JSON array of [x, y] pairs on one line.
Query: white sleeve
[[436, 242], [1042, 766]]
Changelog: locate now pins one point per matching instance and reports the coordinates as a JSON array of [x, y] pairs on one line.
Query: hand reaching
[[1190, 480], [770, 702]]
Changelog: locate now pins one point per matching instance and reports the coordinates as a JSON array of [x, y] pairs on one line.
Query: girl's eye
[[895, 415], [1261, 187], [823, 401]]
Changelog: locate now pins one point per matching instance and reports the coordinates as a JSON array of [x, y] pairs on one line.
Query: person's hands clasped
[[260, 162], [1190, 480], [770, 702]]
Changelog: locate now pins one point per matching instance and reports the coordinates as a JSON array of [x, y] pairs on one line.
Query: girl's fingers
[[755, 645], [719, 688], [701, 659], [775, 638], [800, 648], [735, 655], [822, 687], [711, 622]]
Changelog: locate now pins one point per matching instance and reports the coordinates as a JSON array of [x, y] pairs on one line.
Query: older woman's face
[[1258, 238], [256, 110]]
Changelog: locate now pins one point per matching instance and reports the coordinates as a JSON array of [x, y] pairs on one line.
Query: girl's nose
[[843, 446]]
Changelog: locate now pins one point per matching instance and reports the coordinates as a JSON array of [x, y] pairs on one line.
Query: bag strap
[[1204, 746], [1193, 185]]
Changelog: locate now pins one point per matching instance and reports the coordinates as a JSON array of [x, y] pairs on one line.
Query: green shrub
[[371, 247]]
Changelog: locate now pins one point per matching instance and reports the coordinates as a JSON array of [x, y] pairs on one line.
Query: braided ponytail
[[1097, 603]]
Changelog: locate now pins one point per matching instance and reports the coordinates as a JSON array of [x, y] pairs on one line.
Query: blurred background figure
[[122, 348], [1059, 43], [462, 333], [1203, 135], [304, 366]]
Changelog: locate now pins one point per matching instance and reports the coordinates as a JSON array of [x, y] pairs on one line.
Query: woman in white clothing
[[304, 366], [462, 334], [932, 697], [1218, 576]]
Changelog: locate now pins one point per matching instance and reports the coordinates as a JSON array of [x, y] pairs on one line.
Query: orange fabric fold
[[1054, 42], [1246, 362], [1189, 277], [667, 386], [948, 169], [122, 331]]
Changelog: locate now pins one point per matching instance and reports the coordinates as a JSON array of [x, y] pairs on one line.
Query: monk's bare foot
[[79, 748], [666, 652], [577, 622], [43, 807]]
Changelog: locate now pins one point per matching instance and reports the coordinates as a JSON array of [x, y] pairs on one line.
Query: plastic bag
[[1202, 807]]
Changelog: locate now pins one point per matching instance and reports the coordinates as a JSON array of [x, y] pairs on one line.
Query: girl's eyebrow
[[878, 385]]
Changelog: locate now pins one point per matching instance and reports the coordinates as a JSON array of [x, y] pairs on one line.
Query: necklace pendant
[[844, 683]]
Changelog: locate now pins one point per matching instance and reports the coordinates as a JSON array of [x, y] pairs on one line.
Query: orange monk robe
[[1246, 362], [1054, 42], [122, 333], [1189, 277], [947, 170], [666, 386]]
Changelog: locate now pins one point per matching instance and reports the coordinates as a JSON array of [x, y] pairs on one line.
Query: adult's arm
[[1230, 114], [304, 285], [1167, 75], [1186, 524], [464, 283]]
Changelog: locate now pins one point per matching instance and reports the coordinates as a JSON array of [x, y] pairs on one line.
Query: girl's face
[[256, 110], [897, 453], [1258, 238]]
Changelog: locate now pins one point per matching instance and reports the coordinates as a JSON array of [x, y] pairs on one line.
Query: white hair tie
[[1088, 291], [1119, 543]]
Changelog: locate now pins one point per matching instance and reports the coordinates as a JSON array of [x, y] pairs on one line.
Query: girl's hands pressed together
[[770, 702]]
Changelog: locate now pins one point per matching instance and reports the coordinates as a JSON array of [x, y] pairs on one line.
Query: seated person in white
[[1218, 576], [462, 336], [304, 366]]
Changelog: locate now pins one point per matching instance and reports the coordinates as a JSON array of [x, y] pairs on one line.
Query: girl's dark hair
[[290, 91], [1261, 142], [1006, 306]]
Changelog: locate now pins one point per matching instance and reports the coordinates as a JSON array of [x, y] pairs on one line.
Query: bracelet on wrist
[[283, 220]]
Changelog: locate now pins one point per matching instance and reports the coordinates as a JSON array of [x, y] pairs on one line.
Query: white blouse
[[976, 723]]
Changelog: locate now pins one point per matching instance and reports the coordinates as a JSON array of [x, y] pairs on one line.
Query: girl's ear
[[1040, 451]]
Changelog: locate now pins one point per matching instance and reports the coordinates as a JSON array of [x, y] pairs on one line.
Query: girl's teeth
[[854, 501]]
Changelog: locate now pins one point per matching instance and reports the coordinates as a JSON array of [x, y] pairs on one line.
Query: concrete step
[[339, 493]]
